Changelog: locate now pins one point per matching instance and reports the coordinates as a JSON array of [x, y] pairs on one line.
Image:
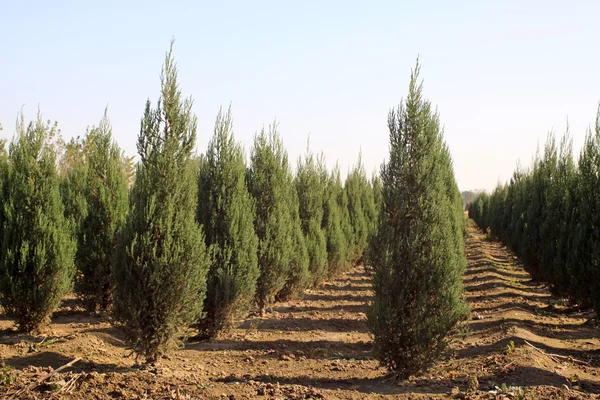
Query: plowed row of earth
[[519, 343]]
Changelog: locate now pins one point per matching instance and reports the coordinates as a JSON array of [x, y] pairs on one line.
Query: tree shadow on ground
[[509, 295], [56, 360], [525, 307], [351, 308], [519, 376], [589, 356], [311, 324], [110, 335], [484, 325], [71, 311], [357, 274], [349, 287], [315, 349], [487, 268], [78, 317], [530, 287], [337, 298]]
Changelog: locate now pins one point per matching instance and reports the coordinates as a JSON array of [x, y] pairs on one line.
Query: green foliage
[[7, 375], [106, 192], [299, 275], [362, 210], [37, 252], [270, 182], [73, 168], [376, 184], [549, 215], [510, 348], [226, 210], [417, 253], [338, 252], [310, 187], [161, 259]]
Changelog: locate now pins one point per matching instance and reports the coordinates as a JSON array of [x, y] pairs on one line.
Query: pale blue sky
[[501, 73]]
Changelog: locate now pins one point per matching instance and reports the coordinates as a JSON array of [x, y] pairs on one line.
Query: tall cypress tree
[[311, 188], [418, 253], [338, 254], [226, 210], [299, 275], [37, 253], [106, 192], [4, 167], [73, 169], [270, 182], [361, 208], [161, 260], [595, 221], [584, 257], [377, 199]]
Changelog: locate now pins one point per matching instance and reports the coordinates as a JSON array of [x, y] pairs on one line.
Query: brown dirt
[[320, 347]]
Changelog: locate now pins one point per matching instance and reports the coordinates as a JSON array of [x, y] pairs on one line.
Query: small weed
[[36, 347], [463, 331], [204, 386], [252, 328], [573, 382], [472, 384], [488, 235], [54, 386], [7, 376], [515, 392], [510, 348]]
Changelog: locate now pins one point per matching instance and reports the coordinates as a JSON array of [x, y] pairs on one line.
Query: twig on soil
[[555, 356], [506, 366], [44, 378], [71, 384]]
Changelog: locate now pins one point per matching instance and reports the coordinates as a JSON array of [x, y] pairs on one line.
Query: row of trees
[[176, 240], [550, 214], [198, 241]]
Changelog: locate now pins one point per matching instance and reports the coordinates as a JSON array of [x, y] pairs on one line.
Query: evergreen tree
[[310, 188], [347, 226], [417, 254], [37, 252], [361, 206], [106, 193], [563, 214], [299, 275], [583, 261], [4, 171], [161, 260], [73, 169], [377, 197], [338, 257], [226, 210], [270, 182], [595, 221]]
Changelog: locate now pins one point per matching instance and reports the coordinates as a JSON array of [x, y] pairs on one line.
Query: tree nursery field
[[231, 274]]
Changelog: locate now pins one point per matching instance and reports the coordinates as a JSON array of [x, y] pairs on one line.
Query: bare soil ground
[[320, 348]]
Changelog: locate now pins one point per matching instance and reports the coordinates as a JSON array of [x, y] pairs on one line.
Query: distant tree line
[[550, 215], [180, 244], [468, 196]]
